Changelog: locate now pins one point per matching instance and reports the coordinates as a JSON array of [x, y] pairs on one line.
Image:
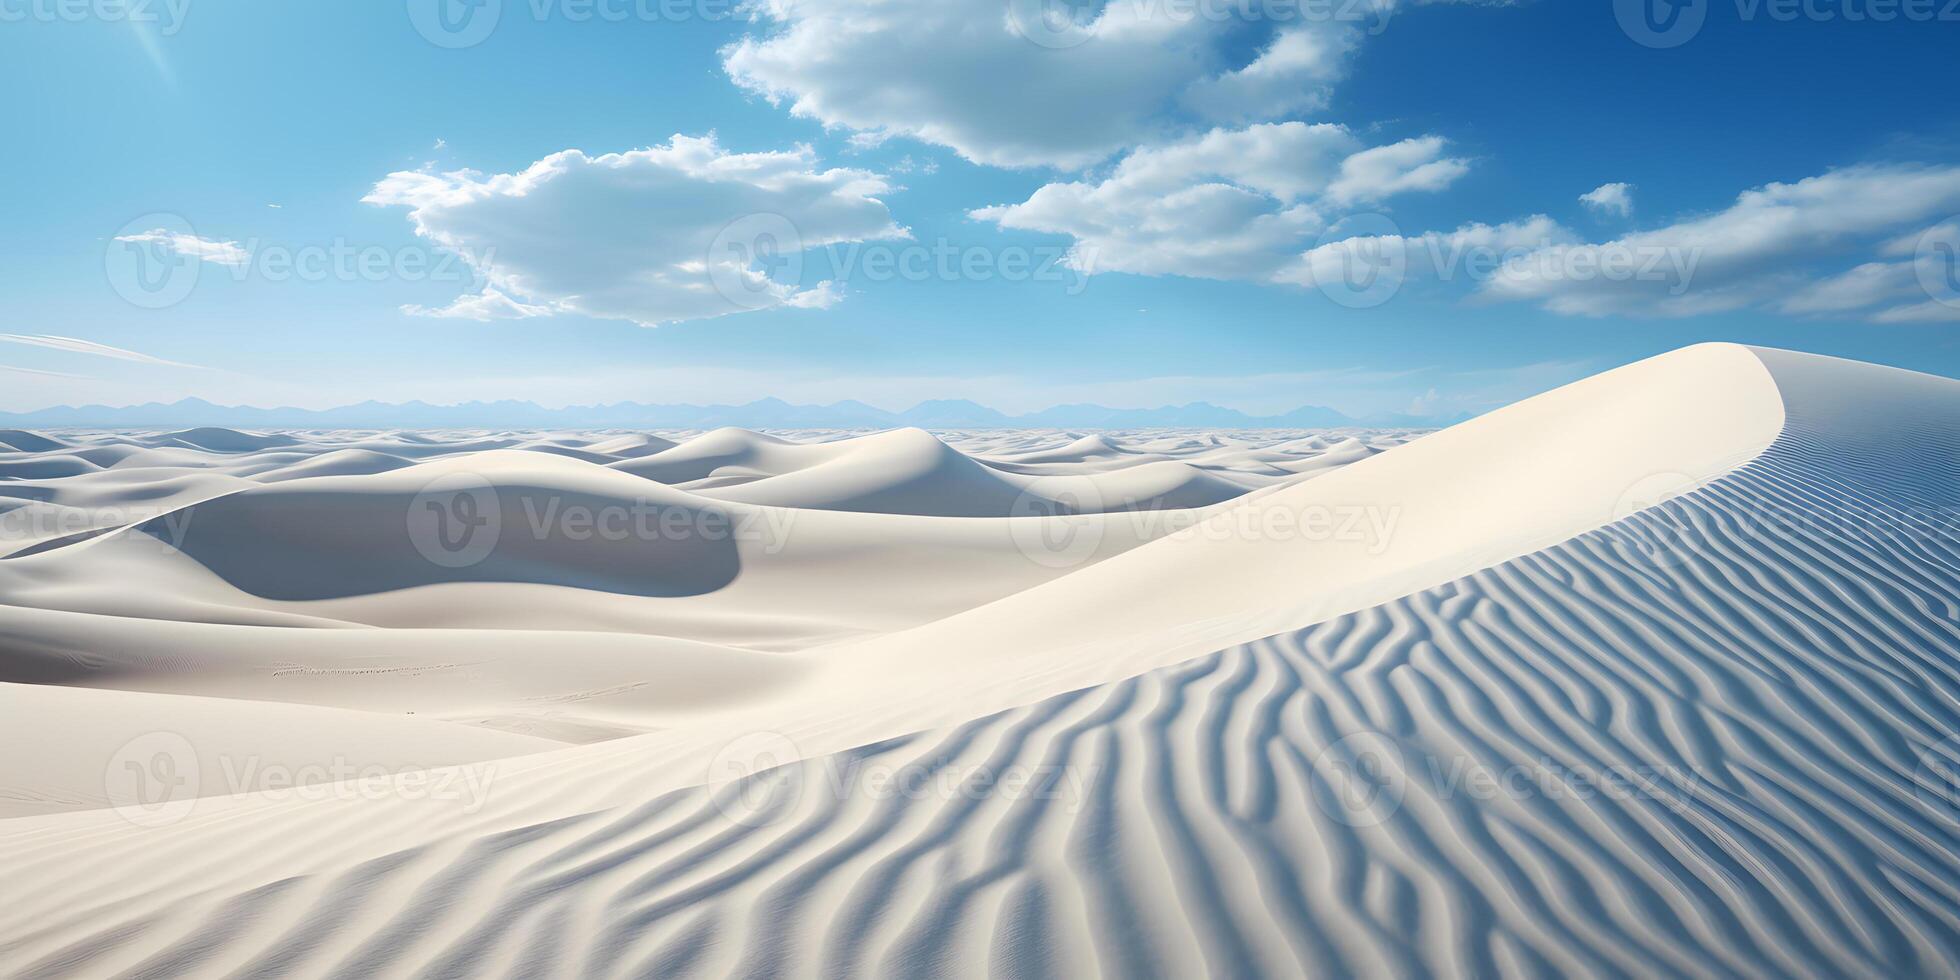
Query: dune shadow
[[309, 545]]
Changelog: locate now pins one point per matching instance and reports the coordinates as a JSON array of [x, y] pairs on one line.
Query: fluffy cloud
[[1011, 85], [1472, 252], [1231, 204], [1610, 199], [1411, 165], [1291, 74], [1865, 286], [1927, 311], [1761, 251], [481, 307], [669, 233], [191, 246]]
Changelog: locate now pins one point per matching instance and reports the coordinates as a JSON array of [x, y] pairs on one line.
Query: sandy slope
[[288, 570], [1616, 728]]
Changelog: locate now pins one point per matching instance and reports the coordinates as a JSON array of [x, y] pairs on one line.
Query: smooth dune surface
[[1653, 675]]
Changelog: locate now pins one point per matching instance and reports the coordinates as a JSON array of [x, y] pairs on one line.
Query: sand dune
[[1654, 674]]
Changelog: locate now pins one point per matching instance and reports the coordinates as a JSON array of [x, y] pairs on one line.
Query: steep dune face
[[20, 441], [1660, 673], [1488, 490]]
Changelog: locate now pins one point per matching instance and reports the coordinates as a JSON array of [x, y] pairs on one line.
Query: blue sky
[[1183, 188]]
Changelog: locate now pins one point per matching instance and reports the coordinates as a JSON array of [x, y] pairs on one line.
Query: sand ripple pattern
[[1713, 740]]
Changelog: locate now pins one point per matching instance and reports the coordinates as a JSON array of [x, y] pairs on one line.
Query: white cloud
[[191, 246], [1383, 171], [1002, 85], [1610, 199], [1290, 75], [1928, 311], [821, 296], [1471, 252], [1867, 285], [669, 233], [1757, 252], [1231, 204], [77, 346], [481, 307]]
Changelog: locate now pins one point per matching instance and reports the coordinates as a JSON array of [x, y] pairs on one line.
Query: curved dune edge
[[1514, 481], [1785, 687]]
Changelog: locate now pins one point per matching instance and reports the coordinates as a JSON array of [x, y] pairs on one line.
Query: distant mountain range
[[768, 413]]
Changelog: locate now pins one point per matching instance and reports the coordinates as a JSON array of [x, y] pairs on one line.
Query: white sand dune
[[18, 441], [70, 731], [1655, 675]]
